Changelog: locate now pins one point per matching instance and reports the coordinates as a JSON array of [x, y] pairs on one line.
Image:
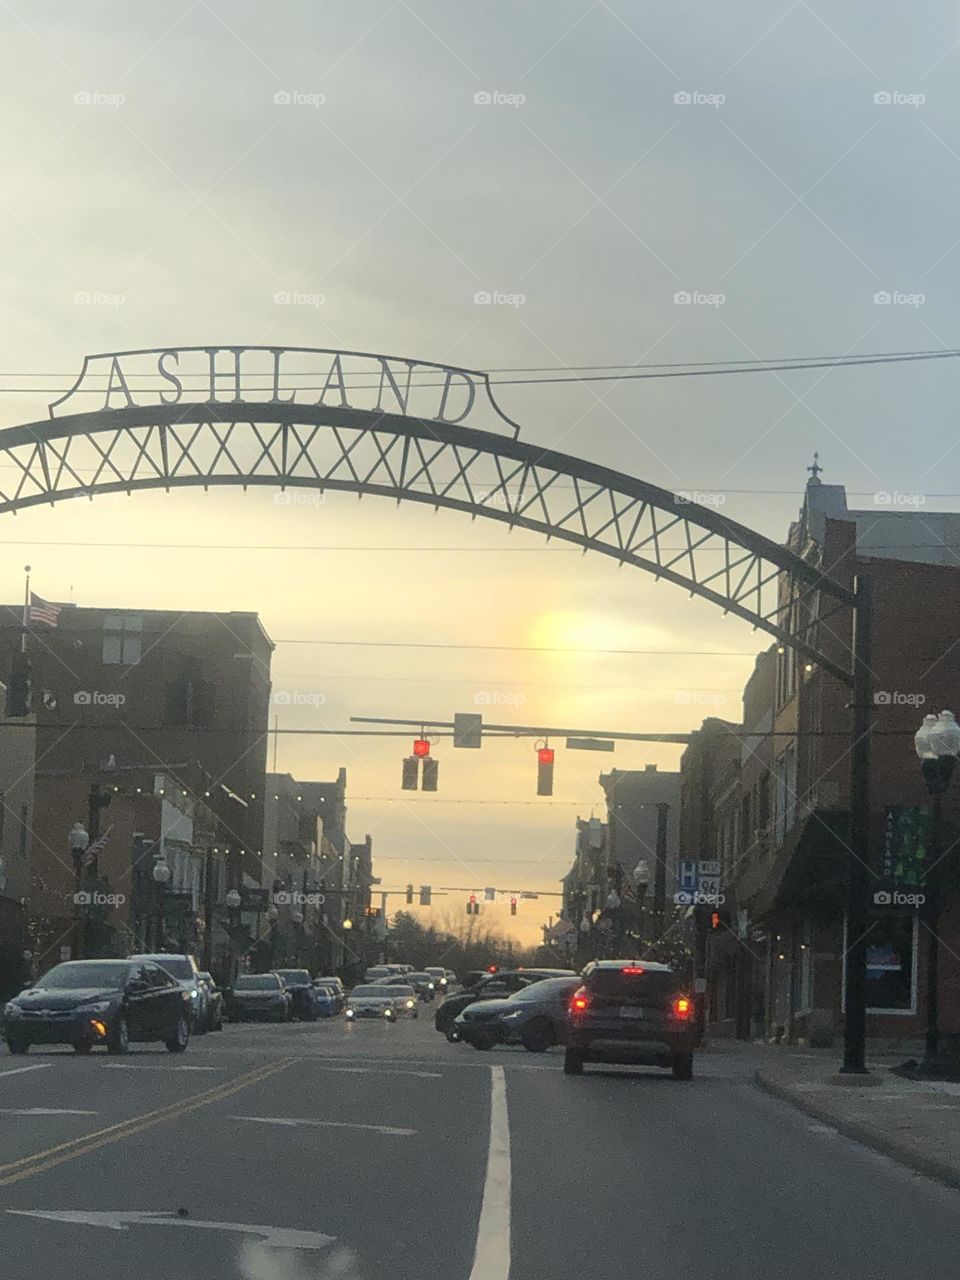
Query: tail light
[[633, 970], [683, 1008], [580, 1001]]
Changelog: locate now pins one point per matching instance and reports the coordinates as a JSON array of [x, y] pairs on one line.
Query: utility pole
[[208, 865], [660, 871]]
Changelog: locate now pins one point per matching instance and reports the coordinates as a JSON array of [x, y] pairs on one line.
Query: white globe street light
[[232, 899], [161, 871]]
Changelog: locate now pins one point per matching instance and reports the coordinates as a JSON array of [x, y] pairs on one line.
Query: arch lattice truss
[[279, 435]]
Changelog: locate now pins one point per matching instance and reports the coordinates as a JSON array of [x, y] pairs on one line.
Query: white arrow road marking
[[492, 1258], [16, 1071], [43, 1111], [273, 1237], [329, 1124]]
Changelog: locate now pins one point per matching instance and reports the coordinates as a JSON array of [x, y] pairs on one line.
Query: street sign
[[590, 744], [467, 730], [687, 878], [489, 895], [709, 867]]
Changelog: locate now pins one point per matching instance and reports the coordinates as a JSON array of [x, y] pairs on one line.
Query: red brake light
[[633, 969], [580, 1001], [682, 1007]]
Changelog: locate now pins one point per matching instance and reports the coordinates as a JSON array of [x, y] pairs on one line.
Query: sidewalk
[[915, 1123]]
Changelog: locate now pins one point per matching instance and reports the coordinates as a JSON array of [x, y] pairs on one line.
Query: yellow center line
[[64, 1151]]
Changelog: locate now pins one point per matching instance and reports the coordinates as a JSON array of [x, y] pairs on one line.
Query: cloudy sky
[[352, 175]]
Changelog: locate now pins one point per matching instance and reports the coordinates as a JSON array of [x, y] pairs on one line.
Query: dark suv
[[631, 1011]]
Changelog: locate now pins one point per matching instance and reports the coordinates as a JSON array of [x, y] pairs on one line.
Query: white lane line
[[384, 1071], [492, 1258], [43, 1111], [16, 1071], [329, 1124], [149, 1066]]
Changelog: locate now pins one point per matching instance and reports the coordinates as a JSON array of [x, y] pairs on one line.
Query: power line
[[518, 648]]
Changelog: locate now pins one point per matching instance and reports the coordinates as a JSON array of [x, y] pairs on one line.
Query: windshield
[[544, 990], [76, 975], [257, 982], [386, 993], [180, 969], [296, 977]]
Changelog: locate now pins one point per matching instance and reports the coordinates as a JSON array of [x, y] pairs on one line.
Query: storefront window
[[891, 960]]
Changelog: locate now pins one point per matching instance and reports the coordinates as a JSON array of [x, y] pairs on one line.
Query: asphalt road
[[392, 1155]]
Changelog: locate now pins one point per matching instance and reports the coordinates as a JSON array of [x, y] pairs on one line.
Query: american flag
[[43, 611], [91, 851]]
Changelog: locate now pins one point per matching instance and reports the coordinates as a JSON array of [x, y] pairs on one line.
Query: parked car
[[328, 1000], [260, 997], [492, 987], [535, 1017], [300, 985], [93, 1002], [187, 972], [373, 1000], [631, 1011], [214, 1003], [337, 986]]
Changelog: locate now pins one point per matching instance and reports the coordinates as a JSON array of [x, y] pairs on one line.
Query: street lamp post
[[161, 877], [78, 840], [938, 744], [233, 902], [273, 915]]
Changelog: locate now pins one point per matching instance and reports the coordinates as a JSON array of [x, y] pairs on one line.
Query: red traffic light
[[492, 968], [715, 920], [545, 755], [421, 747]]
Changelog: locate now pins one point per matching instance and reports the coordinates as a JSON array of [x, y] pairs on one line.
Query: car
[[440, 980], [214, 1003], [100, 1002], [408, 1004], [373, 1000], [425, 986], [187, 972], [337, 986], [300, 985], [259, 997], [535, 1017], [493, 986], [327, 999], [377, 972], [631, 1011]]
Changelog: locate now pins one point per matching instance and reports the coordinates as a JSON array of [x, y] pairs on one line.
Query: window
[[190, 702], [891, 963], [786, 772], [122, 636]]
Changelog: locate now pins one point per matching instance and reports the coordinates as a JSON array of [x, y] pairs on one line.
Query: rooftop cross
[[815, 470]]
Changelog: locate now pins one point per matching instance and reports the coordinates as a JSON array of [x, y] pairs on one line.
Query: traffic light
[[411, 773], [545, 771], [424, 895], [473, 906], [409, 895], [19, 693], [513, 906], [421, 747], [431, 770]]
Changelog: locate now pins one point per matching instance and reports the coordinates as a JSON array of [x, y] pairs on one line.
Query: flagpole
[[26, 609]]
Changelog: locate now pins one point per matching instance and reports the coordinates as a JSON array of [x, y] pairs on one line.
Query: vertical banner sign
[[908, 830]]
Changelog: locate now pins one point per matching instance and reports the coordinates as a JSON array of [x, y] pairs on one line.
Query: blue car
[[327, 1001]]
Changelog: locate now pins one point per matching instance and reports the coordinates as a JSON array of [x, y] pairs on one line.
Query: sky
[[629, 184]]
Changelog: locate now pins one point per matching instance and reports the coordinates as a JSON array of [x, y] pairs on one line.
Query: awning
[[809, 870]]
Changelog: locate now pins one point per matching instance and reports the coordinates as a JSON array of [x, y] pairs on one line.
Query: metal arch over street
[[401, 429]]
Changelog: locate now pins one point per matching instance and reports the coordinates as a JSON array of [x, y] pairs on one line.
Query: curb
[[929, 1166]]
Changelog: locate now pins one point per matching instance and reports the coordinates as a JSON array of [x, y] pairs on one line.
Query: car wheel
[[181, 1037], [82, 1046], [16, 1044], [573, 1063], [118, 1040], [451, 1035], [538, 1037], [682, 1066]]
